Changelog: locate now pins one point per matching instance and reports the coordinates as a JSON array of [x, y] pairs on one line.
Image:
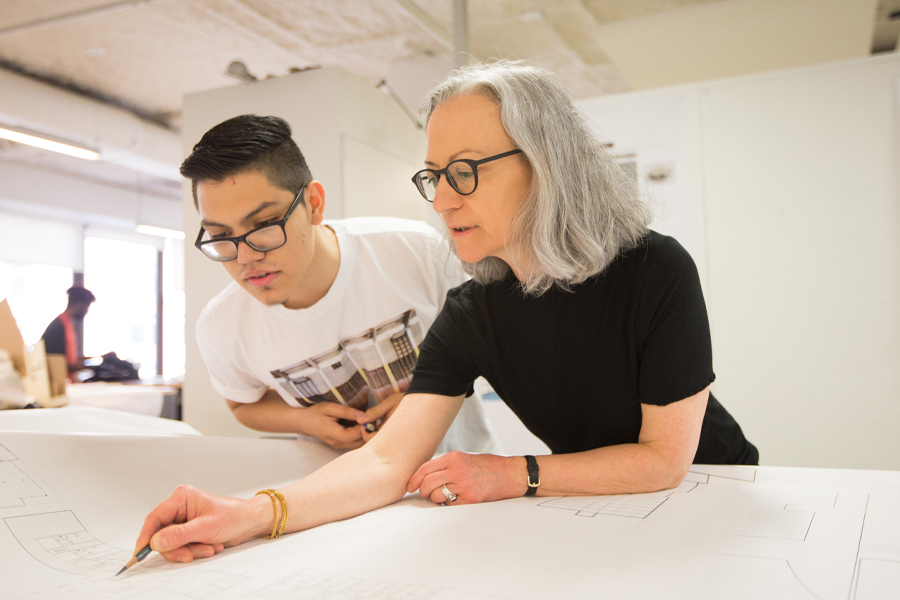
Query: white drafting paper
[[725, 532]]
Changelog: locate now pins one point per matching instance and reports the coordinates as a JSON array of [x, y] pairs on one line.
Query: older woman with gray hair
[[590, 326]]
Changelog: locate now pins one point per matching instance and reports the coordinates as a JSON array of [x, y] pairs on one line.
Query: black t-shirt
[[55, 337], [575, 366]]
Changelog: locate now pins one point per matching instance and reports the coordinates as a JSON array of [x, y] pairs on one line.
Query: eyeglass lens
[[261, 240], [460, 175]]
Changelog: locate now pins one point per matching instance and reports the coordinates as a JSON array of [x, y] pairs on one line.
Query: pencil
[[136, 559]]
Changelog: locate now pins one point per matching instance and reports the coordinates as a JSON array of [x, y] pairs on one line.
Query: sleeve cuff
[[243, 396]]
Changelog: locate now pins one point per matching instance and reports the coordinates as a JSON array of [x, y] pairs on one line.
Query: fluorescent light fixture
[[160, 231], [40, 141]]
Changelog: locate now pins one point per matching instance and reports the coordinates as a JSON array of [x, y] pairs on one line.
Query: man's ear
[[315, 202]]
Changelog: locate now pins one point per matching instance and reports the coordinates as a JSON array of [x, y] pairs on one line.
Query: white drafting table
[[72, 505]]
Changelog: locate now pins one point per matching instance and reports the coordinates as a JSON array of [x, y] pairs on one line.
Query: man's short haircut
[[79, 295], [248, 143]]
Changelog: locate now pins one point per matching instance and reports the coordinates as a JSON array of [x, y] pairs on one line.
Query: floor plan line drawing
[[202, 582], [872, 567], [611, 506], [812, 515], [884, 577], [747, 474], [60, 541], [19, 486], [638, 506], [834, 497], [311, 583], [211, 582], [856, 563], [879, 545], [787, 563]]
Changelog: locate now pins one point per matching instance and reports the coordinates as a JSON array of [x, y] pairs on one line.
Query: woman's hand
[[472, 477], [191, 523]]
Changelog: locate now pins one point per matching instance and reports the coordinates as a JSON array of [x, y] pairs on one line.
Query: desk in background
[[151, 397], [90, 420]]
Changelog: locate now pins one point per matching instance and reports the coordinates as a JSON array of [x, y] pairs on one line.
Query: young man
[[61, 336], [320, 316]]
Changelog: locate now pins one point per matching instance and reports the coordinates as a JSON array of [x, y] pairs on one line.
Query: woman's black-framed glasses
[[262, 239], [462, 175]]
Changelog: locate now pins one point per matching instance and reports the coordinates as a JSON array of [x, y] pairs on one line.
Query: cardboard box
[[43, 375], [11, 339]]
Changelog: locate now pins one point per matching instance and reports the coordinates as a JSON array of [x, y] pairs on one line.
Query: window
[[36, 294], [173, 309], [123, 277]]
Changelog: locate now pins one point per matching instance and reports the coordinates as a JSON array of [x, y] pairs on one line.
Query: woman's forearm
[[377, 474], [660, 460], [622, 469], [665, 450], [191, 523], [350, 485]]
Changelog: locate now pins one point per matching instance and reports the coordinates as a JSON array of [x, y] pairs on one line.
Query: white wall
[[795, 226], [44, 192], [381, 148], [357, 141]]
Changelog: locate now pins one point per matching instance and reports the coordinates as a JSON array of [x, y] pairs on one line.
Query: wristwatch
[[534, 475]]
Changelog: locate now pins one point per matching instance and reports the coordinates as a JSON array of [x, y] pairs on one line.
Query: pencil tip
[[122, 571]]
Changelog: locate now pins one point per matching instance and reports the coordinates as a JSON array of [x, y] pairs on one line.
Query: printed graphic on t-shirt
[[380, 359]]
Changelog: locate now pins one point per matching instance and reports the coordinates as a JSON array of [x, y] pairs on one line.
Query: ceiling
[[144, 56]]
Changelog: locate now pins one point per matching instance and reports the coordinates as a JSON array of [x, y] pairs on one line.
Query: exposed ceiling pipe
[[78, 15], [460, 34], [121, 137], [425, 21]]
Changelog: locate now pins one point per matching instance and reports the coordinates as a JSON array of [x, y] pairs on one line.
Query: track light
[[39, 140]]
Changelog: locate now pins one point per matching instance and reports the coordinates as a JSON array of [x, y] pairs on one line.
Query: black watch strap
[[534, 475]]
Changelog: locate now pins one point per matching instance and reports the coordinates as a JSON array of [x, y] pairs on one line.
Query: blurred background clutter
[[765, 132]]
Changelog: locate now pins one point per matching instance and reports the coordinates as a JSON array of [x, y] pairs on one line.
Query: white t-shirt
[[362, 336]]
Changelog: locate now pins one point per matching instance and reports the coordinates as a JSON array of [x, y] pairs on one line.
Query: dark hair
[[248, 143], [79, 295]]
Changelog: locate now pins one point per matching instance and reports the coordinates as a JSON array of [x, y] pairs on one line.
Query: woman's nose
[[445, 197]]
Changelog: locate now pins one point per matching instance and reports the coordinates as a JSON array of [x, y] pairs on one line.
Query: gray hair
[[581, 210]]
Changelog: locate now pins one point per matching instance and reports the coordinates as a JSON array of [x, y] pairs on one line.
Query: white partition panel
[[804, 260], [796, 230]]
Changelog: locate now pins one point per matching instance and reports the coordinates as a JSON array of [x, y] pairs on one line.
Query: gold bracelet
[[284, 513], [277, 499]]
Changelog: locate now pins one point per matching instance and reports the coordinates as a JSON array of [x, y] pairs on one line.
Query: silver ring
[[450, 496]]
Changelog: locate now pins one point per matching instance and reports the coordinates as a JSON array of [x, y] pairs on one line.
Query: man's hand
[[191, 524], [472, 477], [271, 413], [383, 410], [321, 422]]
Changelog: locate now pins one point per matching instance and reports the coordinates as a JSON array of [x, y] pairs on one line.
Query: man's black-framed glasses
[[462, 175], [262, 239]]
